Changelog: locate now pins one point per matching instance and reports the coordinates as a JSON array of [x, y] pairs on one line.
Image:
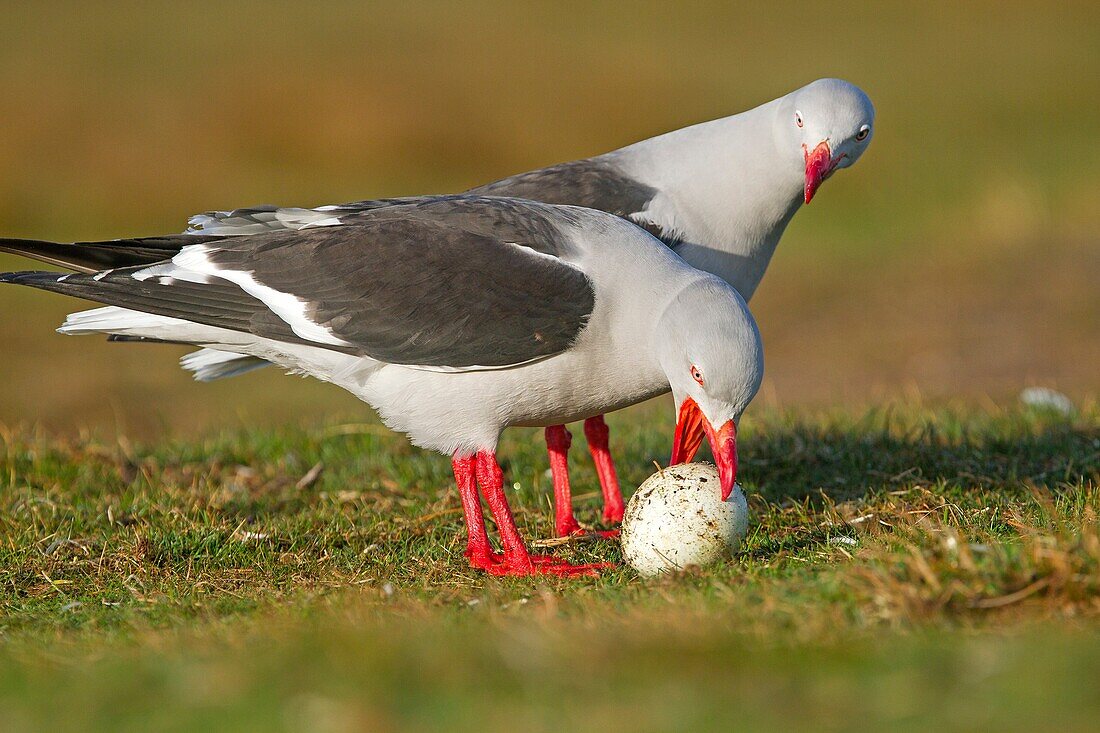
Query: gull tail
[[121, 324], [129, 326]]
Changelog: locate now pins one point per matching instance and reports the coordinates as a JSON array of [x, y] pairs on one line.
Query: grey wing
[[596, 183], [452, 282], [92, 257], [267, 218]]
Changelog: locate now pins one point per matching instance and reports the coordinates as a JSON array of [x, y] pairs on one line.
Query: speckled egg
[[677, 518]]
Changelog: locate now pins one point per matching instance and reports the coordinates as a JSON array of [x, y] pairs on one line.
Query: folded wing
[[452, 282]]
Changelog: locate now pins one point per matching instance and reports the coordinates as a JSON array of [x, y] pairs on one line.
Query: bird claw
[[484, 559], [568, 570], [571, 528]]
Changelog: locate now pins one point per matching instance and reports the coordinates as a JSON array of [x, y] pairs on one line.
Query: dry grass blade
[[1008, 600], [311, 476], [573, 539], [935, 570]]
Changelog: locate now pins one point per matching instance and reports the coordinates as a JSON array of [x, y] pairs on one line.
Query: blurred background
[[960, 260]]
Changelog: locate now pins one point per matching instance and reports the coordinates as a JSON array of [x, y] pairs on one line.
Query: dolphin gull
[[720, 194], [455, 317]]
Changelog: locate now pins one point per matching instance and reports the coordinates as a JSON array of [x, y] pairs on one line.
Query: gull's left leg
[[478, 550], [517, 560], [558, 441], [595, 430]]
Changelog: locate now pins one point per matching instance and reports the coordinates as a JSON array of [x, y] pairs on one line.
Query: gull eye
[[863, 133], [697, 375], [798, 118]]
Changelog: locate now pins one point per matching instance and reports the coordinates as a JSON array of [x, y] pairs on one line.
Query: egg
[[677, 518]]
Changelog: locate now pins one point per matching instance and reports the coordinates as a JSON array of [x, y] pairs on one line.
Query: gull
[[720, 194], [455, 317]]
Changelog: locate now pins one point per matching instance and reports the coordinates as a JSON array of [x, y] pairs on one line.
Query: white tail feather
[[122, 321], [211, 364], [223, 353]]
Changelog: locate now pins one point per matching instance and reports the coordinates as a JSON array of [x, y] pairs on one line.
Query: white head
[[710, 350], [823, 126]]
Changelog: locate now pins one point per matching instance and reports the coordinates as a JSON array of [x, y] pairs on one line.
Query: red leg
[[558, 441], [516, 560], [478, 551], [595, 430]]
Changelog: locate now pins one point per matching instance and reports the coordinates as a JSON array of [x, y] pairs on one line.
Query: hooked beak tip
[[723, 444], [819, 165], [691, 427]]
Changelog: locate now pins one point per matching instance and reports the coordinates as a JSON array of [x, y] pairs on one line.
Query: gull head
[[822, 127], [710, 350]]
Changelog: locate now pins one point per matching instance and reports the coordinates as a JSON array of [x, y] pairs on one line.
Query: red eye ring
[[697, 375], [798, 118]]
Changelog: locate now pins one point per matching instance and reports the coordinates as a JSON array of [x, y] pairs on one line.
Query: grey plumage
[[595, 183], [591, 182], [447, 282], [719, 193], [531, 320]]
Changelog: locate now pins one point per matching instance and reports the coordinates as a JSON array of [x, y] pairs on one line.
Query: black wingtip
[[32, 277], [11, 277]]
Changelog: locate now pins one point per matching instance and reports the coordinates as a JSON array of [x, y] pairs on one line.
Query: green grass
[[904, 565], [909, 568]]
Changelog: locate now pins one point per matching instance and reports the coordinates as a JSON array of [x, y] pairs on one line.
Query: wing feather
[[449, 282]]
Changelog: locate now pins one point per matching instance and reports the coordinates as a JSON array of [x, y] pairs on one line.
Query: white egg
[[677, 518]]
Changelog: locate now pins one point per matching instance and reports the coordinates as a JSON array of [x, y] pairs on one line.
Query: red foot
[[483, 560], [613, 514], [495, 563], [483, 469], [549, 565], [568, 528]]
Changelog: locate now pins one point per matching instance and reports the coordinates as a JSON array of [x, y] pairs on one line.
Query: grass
[[900, 562], [909, 567]]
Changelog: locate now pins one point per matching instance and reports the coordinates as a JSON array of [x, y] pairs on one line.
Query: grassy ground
[[909, 566], [206, 585]]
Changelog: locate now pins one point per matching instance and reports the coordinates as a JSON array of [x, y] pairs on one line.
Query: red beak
[[691, 426], [820, 164]]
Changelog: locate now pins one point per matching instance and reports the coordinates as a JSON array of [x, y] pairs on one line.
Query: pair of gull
[[546, 298]]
